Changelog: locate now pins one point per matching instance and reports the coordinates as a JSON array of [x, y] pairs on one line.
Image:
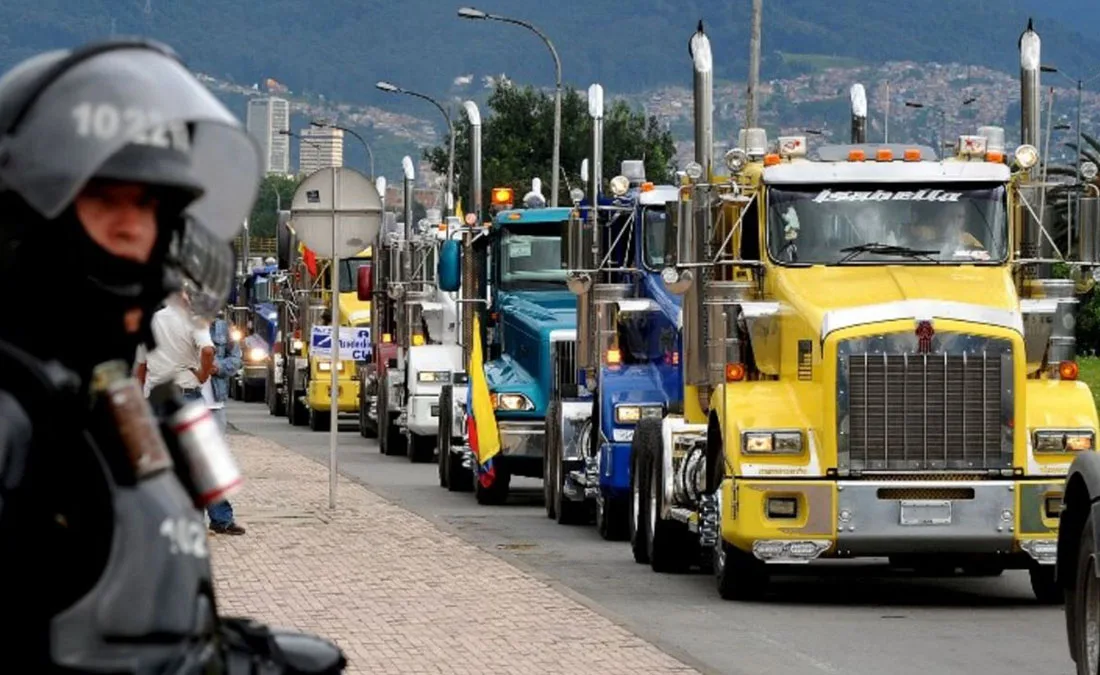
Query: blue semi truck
[[528, 319], [628, 350], [254, 325]]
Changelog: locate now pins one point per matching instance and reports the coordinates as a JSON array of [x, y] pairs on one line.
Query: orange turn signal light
[[995, 156], [646, 187], [912, 155], [884, 155], [1068, 370], [771, 159], [856, 155], [502, 196], [614, 357], [735, 372]]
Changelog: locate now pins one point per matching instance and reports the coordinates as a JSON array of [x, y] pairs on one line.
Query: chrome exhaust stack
[[859, 113]]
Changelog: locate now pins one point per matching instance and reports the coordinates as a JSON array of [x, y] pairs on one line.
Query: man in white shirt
[[184, 354]]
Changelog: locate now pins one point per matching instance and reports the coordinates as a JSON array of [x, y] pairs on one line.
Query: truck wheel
[[394, 440], [495, 493], [567, 511], [362, 417], [1046, 589], [639, 493], [549, 475], [1083, 605], [666, 540], [318, 421], [421, 448], [444, 434], [738, 575], [611, 517], [459, 478]]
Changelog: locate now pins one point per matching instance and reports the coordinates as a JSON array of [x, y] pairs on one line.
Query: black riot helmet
[[122, 111]]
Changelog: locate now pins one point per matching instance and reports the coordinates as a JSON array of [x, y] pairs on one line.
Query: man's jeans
[[221, 514]]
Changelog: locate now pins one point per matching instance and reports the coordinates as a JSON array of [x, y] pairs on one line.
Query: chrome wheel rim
[[719, 550], [635, 502], [653, 487]]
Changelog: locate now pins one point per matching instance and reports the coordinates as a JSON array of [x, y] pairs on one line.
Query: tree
[[518, 136], [275, 190]]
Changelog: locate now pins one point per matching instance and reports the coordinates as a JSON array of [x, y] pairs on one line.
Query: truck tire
[[612, 514], [421, 448], [459, 478], [737, 574], [496, 493], [443, 432], [319, 421], [645, 436], [393, 441], [566, 511], [1043, 585], [549, 480], [1083, 604], [667, 541]]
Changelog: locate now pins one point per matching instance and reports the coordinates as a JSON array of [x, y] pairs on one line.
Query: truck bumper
[[615, 468], [254, 374], [522, 438], [1003, 518], [348, 396], [423, 415]]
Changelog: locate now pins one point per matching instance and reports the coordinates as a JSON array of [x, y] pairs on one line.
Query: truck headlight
[[257, 354], [785, 442], [434, 376], [296, 347], [511, 402], [326, 366], [632, 414], [235, 335], [1062, 440]]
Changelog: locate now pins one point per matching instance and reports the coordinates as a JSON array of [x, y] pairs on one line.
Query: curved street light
[[391, 88], [472, 13], [346, 130]]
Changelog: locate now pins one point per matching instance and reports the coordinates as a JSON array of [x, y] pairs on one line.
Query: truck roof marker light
[[856, 155], [912, 155], [515, 216], [884, 155], [735, 372], [1068, 370], [647, 187], [995, 156], [387, 338], [771, 159], [502, 196], [614, 357], [417, 340]]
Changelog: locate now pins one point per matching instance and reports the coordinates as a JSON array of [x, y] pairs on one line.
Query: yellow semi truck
[[877, 361]]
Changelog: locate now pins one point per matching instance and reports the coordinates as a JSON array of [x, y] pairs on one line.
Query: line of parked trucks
[[781, 357]]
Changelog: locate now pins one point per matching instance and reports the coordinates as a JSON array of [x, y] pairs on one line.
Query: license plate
[[925, 512], [435, 410]]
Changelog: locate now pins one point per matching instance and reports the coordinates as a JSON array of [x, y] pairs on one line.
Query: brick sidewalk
[[395, 592]]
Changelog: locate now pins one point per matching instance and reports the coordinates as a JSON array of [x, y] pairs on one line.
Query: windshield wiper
[[885, 249]]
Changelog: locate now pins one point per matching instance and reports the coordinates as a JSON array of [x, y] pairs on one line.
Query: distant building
[[320, 147], [266, 118]]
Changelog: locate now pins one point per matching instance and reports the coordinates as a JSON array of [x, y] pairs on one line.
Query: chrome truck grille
[[564, 362], [942, 405]]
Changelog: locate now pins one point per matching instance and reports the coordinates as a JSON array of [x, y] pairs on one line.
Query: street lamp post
[[394, 89], [943, 116], [288, 132], [471, 13], [346, 130]]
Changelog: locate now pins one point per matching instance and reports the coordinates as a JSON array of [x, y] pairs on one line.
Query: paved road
[[859, 620]]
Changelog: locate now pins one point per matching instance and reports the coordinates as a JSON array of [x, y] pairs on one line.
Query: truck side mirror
[[450, 266], [365, 283]]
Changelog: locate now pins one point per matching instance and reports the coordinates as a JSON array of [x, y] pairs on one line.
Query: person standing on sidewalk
[[215, 391]]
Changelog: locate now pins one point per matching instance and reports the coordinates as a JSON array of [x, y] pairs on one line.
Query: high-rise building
[[266, 118], [320, 147]]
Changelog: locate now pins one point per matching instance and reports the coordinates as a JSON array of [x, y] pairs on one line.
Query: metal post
[[754, 64], [1075, 208], [450, 200], [334, 392], [245, 247], [468, 290]]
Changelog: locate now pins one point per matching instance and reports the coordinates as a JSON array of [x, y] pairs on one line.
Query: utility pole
[[751, 103]]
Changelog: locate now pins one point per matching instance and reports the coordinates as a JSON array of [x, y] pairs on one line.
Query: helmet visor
[[132, 96]]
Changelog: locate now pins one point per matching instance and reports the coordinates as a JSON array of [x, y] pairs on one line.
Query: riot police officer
[[120, 176]]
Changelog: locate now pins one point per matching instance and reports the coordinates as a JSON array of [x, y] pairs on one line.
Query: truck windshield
[[531, 260], [895, 224], [653, 229], [349, 273]]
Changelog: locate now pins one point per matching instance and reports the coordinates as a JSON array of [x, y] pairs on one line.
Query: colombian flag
[[480, 419], [309, 258]]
